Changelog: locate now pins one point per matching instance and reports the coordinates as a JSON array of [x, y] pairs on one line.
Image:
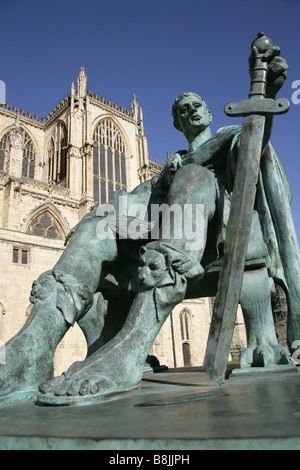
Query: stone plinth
[[174, 411]]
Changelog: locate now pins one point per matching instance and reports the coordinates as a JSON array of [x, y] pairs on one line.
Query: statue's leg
[[191, 204], [263, 348], [60, 297], [118, 366], [29, 354]]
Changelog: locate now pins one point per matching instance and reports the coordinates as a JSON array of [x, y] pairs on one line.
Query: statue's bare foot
[[26, 364], [117, 367], [264, 355], [92, 380]]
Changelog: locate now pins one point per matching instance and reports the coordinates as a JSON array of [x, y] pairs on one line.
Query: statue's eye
[[153, 267]]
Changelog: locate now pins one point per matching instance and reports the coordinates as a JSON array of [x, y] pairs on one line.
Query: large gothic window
[[29, 153], [3, 151], [109, 165], [28, 162], [57, 154]]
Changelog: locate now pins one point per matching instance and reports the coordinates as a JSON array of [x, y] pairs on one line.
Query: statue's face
[[192, 115]]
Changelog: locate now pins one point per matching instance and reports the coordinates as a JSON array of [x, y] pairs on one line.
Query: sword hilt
[[262, 51], [260, 47]]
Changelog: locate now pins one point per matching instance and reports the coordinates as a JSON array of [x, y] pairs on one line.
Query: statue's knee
[[192, 172], [96, 238], [194, 180]]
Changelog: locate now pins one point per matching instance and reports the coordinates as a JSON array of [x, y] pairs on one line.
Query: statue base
[[174, 411], [19, 396], [276, 369]]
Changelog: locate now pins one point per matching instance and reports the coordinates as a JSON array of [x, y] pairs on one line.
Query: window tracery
[[57, 154], [28, 162], [18, 136], [4, 146], [45, 225], [109, 164]]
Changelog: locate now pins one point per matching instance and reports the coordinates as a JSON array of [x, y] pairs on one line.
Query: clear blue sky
[[155, 49]]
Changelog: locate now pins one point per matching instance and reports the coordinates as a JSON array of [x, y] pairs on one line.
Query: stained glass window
[[57, 154], [117, 167], [3, 151], [109, 161], [2, 157], [51, 161], [4, 142], [28, 163]]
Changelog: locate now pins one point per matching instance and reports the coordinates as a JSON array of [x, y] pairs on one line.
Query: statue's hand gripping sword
[[254, 111]]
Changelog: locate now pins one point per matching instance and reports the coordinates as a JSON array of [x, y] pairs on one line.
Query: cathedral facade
[[53, 171]]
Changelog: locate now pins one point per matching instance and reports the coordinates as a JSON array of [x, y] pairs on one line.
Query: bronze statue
[[121, 288]]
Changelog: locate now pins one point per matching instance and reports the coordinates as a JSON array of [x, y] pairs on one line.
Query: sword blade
[[235, 249]]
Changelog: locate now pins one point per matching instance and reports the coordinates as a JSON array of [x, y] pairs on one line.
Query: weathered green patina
[[120, 289]]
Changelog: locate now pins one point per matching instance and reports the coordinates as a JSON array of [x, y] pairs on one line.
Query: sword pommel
[[262, 43]]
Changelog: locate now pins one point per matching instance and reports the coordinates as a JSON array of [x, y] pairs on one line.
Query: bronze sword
[[254, 112]]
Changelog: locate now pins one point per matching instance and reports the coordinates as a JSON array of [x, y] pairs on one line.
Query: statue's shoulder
[[226, 136], [229, 131]]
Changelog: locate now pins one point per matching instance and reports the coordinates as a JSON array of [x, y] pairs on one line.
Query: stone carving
[[126, 286], [2, 309], [16, 135]]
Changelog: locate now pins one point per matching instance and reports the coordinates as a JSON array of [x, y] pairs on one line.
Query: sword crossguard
[[266, 107]]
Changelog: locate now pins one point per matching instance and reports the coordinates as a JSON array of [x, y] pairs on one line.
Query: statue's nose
[[193, 109]]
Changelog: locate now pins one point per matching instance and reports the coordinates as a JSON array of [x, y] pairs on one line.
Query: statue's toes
[[281, 355], [62, 389], [266, 355], [74, 388], [263, 355], [95, 388], [85, 387], [246, 358], [51, 385]]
